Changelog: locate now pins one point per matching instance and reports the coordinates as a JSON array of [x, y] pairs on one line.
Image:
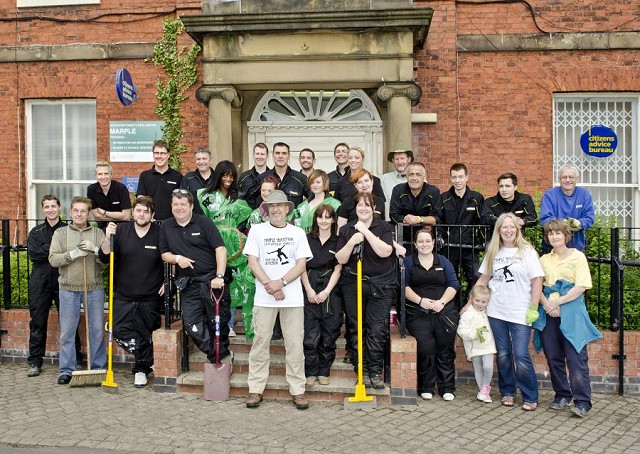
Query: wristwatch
[[220, 276], [284, 282]]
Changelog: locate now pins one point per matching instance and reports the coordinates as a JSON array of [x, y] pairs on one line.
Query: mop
[[80, 378]]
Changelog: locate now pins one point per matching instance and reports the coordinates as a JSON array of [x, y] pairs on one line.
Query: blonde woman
[[512, 271]]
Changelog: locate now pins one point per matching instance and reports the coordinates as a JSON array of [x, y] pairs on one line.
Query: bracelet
[[420, 302]]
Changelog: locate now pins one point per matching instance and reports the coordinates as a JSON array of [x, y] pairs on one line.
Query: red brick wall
[[495, 108], [119, 22], [15, 344], [603, 368]]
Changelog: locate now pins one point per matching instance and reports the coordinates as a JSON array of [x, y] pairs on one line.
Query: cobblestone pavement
[[38, 412]]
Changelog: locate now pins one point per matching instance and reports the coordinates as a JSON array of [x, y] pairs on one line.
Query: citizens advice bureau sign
[[599, 141]]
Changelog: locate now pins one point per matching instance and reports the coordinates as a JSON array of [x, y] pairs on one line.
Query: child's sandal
[[507, 401]]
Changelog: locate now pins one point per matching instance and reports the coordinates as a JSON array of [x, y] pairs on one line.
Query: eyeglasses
[[568, 177], [160, 153], [180, 191]]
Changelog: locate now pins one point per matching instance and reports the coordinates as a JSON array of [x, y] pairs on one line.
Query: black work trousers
[[321, 330], [133, 325], [436, 350], [43, 293], [199, 314], [376, 303]]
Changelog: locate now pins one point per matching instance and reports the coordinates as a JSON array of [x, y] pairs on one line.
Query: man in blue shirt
[[568, 202]]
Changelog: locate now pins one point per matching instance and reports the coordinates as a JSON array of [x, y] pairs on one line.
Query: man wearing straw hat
[[277, 253], [400, 160], [74, 251]]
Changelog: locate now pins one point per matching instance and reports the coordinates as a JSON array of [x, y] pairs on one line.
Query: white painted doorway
[[318, 120]]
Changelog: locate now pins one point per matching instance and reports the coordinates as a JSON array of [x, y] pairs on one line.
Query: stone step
[[277, 365], [277, 387], [240, 343]]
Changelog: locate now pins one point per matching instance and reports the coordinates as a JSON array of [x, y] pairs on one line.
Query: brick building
[[498, 86]]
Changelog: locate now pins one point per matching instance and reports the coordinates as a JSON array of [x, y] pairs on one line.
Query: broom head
[[81, 378]]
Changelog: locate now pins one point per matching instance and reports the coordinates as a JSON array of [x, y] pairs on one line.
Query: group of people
[[299, 235]]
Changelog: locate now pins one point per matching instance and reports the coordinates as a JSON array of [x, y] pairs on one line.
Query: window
[[61, 150], [612, 181], [35, 3]]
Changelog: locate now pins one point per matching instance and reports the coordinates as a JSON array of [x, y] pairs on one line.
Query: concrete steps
[[342, 376]]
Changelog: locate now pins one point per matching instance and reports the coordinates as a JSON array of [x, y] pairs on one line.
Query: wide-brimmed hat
[[278, 196], [392, 153]]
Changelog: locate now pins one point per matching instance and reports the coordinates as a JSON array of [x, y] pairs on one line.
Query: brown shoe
[[300, 402], [253, 401], [324, 381]]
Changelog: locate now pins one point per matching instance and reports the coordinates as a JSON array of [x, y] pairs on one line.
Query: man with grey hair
[[199, 178], [568, 202], [110, 199]]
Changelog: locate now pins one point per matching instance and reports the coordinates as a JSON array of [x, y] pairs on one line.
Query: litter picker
[[80, 378], [359, 400]]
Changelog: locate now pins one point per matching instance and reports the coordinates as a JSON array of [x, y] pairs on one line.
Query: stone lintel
[[271, 6], [70, 52], [416, 19], [548, 42]]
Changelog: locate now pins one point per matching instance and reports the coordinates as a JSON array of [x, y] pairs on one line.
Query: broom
[[80, 378], [109, 385]]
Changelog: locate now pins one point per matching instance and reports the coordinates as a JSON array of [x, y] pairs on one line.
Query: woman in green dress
[[220, 203], [318, 183]]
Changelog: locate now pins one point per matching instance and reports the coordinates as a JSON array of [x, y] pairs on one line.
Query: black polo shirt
[[198, 240], [427, 203], [138, 265], [348, 209], [294, 184], [117, 198], [324, 255], [193, 181], [249, 186], [372, 263], [346, 189], [335, 176], [159, 186]]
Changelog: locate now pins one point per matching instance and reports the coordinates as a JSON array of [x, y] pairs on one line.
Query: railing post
[[617, 303], [167, 296], [6, 264], [401, 294]]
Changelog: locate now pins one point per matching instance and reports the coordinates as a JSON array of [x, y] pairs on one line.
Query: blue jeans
[[512, 344], [69, 318], [562, 355]]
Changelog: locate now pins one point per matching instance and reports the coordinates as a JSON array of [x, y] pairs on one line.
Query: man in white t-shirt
[[277, 253]]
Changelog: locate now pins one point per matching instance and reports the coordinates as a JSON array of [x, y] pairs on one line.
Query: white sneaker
[[140, 380], [426, 396], [448, 396], [232, 333]]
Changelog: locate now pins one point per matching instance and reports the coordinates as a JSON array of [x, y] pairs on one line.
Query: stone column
[[398, 98], [220, 99]]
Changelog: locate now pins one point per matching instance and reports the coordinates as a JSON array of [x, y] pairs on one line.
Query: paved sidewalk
[[38, 412]]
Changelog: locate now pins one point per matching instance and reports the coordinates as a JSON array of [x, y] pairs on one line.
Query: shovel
[[217, 376]]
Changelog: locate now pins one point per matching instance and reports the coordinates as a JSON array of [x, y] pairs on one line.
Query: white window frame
[[37, 3], [560, 157], [33, 205]]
